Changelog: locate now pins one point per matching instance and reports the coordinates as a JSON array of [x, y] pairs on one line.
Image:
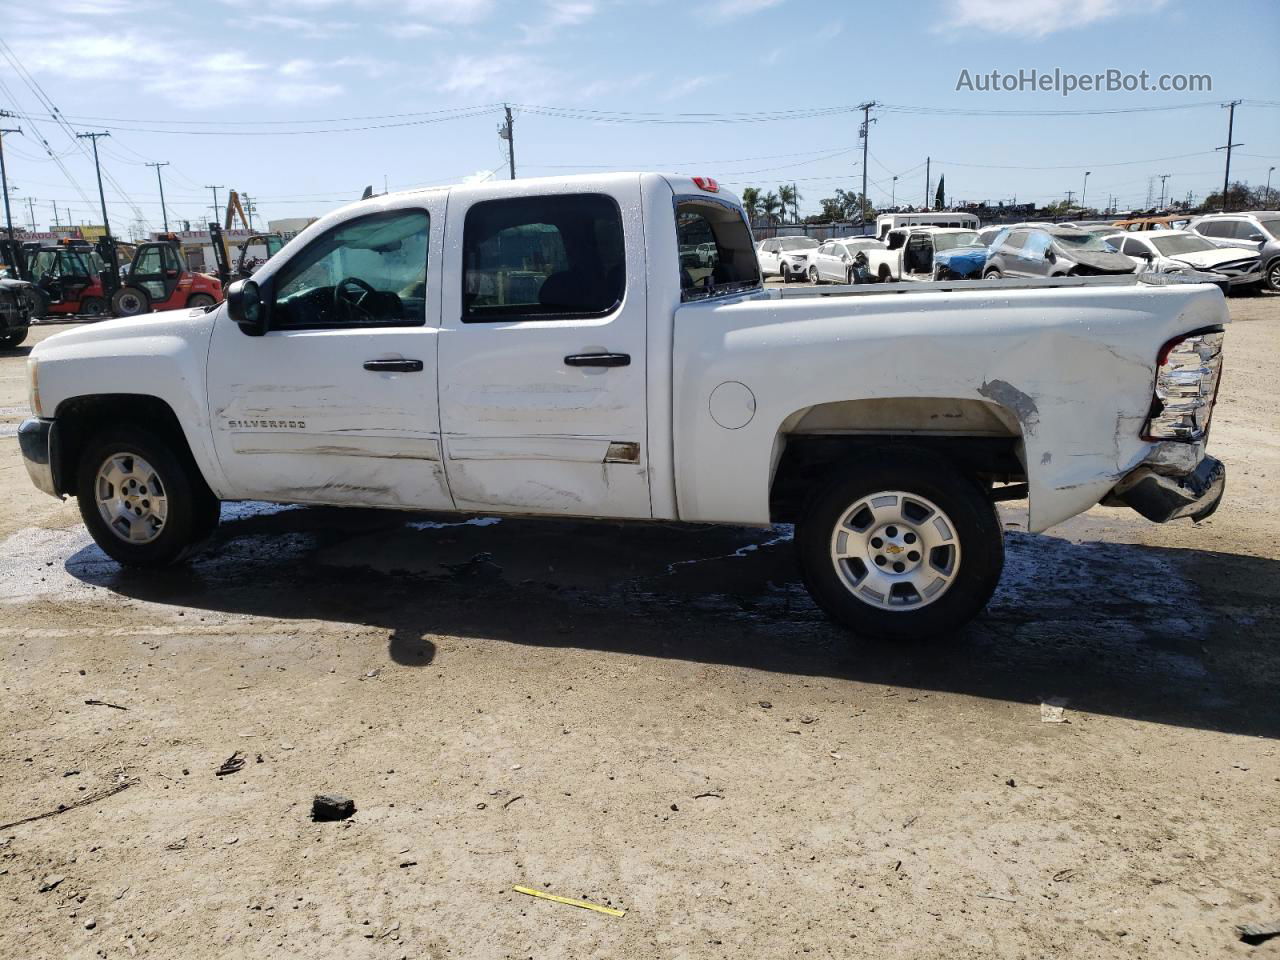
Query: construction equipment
[[245, 264], [158, 278], [70, 278]]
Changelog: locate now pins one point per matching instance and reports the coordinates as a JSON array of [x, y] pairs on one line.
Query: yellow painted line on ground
[[611, 911]]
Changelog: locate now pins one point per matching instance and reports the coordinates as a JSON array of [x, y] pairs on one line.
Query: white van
[[890, 221]]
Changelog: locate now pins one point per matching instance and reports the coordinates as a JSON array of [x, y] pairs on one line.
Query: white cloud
[[743, 8], [1037, 18], [560, 15], [437, 11], [495, 77], [688, 86], [480, 176], [309, 29]]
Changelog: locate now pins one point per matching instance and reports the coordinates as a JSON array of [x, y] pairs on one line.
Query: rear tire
[[932, 590], [9, 341], [130, 302], [41, 308], [1273, 276], [992, 274], [200, 300], [813, 276], [130, 470]]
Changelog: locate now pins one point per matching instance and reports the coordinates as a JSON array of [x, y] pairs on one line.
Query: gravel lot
[[648, 717]]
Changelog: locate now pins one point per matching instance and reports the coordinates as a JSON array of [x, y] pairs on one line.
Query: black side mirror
[[245, 307], [1257, 238], [1050, 255]]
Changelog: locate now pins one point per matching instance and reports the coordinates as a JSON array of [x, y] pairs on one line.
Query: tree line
[[771, 208]]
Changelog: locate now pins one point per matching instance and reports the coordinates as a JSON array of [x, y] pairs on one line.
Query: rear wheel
[[41, 308], [992, 274], [885, 275], [901, 548], [93, 307], [142, 499], [12, 338], [130, 302], [200, 300]]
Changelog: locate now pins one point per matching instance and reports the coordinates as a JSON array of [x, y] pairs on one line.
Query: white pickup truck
[[907, 252], [538, 347]]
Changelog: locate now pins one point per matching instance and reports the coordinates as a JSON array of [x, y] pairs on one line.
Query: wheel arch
[[77, 419], [981, 438]]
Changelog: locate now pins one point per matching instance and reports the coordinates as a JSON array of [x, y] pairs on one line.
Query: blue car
[[958, 256]]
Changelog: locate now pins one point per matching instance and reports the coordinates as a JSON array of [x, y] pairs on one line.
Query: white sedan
[[787, 257], [1181, 251], [833, 261]]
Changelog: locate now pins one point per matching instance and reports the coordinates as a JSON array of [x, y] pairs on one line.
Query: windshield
[[797, 243], [1172, 246], [945, 241], [1084, 241]]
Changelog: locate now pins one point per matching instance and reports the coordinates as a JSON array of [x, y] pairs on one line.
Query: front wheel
[[992, 274], [93, 307], [130, 302], [13, 338], [1273, 276], [143, 500], [813, 276], [200, 300], [901, 548]]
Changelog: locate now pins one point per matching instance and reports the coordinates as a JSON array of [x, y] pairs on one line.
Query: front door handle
[[598, 360], [394, 366]]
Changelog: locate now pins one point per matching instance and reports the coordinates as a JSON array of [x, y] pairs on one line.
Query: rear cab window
[[730, 265]]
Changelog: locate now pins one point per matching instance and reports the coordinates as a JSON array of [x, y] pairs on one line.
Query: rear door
[[542, 357]]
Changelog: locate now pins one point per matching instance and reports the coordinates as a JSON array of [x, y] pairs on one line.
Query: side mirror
[[1050, 255], [245, 307], [1257, 238], [1148, 256]]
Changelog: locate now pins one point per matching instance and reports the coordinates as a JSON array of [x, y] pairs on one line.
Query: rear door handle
[[394, 366], [598, 360]]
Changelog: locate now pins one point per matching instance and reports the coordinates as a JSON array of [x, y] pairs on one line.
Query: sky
[[302, 103]]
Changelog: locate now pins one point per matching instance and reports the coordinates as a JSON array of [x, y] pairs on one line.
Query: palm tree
[[769, 206], [787, 196], [751, 203]]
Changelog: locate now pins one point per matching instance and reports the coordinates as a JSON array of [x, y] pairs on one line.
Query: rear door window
[[732, 267], [549, 257]]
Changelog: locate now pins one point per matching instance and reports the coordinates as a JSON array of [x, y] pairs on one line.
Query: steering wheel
[[350, 304]]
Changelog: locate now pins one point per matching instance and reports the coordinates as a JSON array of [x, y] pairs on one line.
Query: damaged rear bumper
[[1161, 495]]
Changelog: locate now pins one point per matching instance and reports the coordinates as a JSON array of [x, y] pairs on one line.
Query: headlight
[[1187, 373], [33, 386]]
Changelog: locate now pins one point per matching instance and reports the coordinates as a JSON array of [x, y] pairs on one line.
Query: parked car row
[[1232, 250]]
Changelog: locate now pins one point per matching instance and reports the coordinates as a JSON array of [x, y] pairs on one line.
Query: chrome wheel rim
[[1274, 277], [896, 550], [131, 498]]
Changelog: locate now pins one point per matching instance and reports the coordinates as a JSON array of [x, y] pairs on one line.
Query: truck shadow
[[1171, 636]]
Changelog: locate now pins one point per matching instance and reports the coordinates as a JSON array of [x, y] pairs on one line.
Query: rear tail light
[[1188, 370], [707, 184]]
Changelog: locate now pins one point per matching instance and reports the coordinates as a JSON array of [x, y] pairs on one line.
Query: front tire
[[813, 276], [1273, 276], [200, 300], [902, 547], [130, 302], [143, 499], [993, 274], [9, 341], [94, 307]]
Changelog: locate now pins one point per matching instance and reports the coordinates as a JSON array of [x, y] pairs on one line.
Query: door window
[[368, 272], [1134, 248], [1015, 241], [896, 239], [1244, 230], [543, 258], [1215, 228], [148, 262]]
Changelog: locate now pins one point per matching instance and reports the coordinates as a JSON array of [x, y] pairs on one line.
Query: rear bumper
[[34, 438], [1164, 496]]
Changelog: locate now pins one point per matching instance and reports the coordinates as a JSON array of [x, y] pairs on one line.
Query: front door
[[336, 403], [156, 270], [542, 354]]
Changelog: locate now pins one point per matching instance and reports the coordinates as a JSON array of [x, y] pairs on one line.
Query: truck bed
[[981, 286]]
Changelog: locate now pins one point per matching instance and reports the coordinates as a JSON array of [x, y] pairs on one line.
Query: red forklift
[[69, 278], [158, 278]]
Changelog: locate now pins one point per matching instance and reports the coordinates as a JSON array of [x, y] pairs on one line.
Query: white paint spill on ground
[[785, 532], [244, 509], [436, 525]]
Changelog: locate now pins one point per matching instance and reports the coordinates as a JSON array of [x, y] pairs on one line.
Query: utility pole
[[1268, 193], [216, 212], [55, 213], [4, 177], [893, 194], [164, 213], [1164, 177], [248, 209], [927, 161], [507, 132], [31, 211], [1084, 189], [1070, 193], [865, 132], [1226, 174], [102, 198]]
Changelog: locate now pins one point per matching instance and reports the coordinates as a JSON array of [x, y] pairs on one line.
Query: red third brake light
[[707, 184]]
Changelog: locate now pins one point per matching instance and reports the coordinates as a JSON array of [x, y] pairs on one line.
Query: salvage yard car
[[908, 253], [1050, 251], [786, 257], [17, 307], [1180, 251], [534, 347], [836, 261]]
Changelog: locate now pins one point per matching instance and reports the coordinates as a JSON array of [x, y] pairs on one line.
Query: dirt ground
[[650, 717]]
